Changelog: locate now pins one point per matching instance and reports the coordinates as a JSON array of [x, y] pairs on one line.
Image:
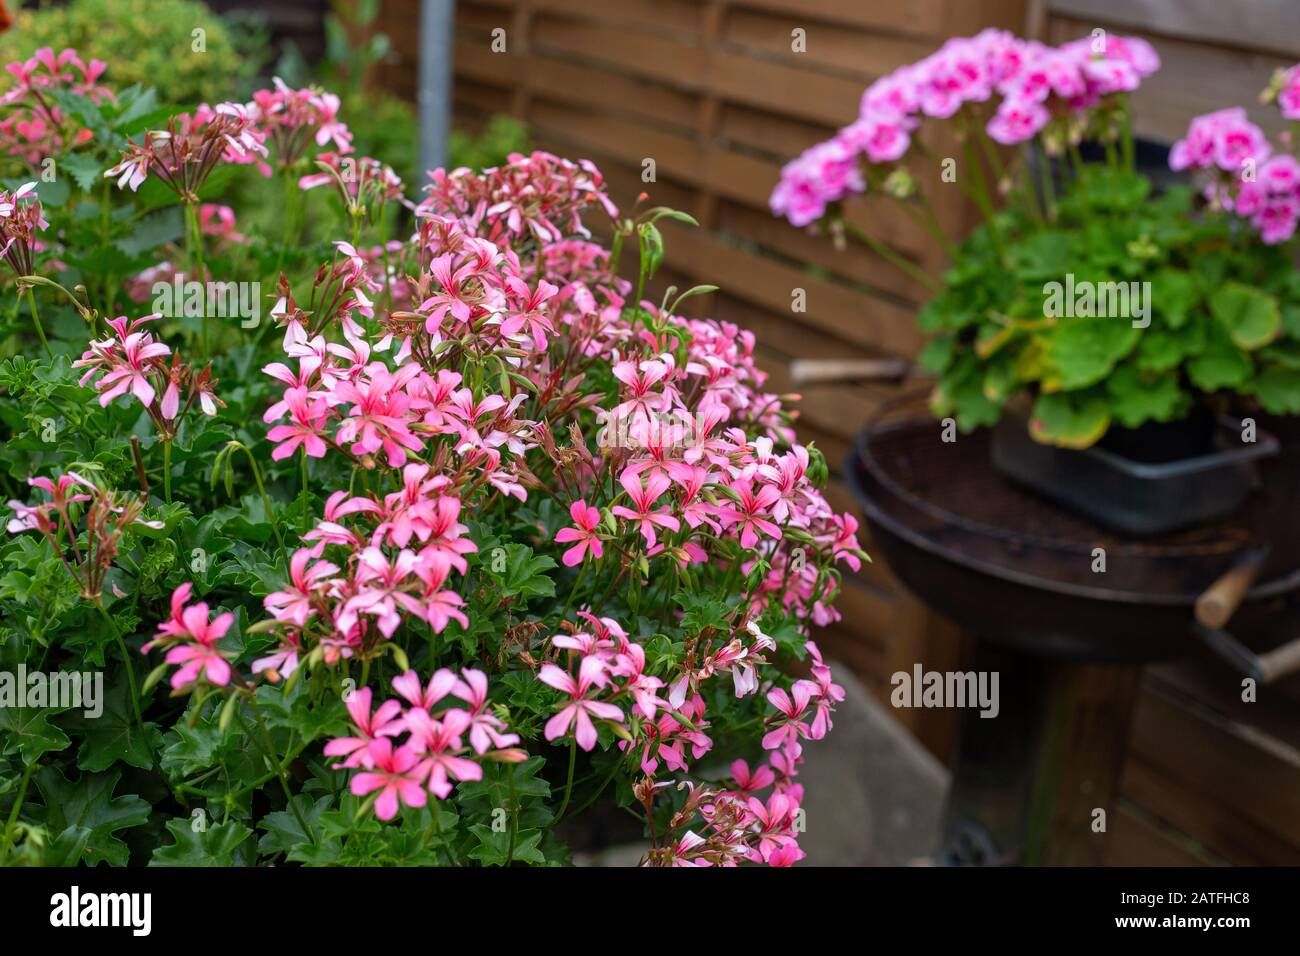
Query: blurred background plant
[[146, 41], [152, 42]]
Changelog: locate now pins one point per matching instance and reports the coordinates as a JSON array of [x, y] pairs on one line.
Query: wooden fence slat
[[857, 53], [633, 52], [918, 17], [581, 86], [1258, 25]]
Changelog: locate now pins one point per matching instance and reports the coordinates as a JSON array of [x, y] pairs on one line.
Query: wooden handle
[[825, 371], [1280, 662], [1217, 604]]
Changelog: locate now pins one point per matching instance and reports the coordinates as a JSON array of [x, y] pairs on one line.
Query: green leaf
[[493, 846], [68, 847], [1083, 351], [1137, 397], [1278, 390], [524, 574], [85, 168], [153, 229], [113, 735], [283, 832], [1251, 317], [1221, 365], [89, 803], [1174, 294], [1069, 421], [702, 610], [28, 731], [214, 845]]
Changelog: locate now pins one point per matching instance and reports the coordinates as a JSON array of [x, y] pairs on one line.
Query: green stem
[[980, 194], [568, 784], [289, 195], [167, 470], [36, 318], [266, 502], [573, 594], [13, 813], [194, 242], [1049, 189], [895, 259], [1130, 153], [436, 827], [126, 661], [599, 790], [514, 813], [303, 456], [268, 749]]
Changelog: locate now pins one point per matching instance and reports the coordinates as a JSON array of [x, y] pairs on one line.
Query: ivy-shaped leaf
[[212, 845], [90, 803], [114, 735], [27, 731]]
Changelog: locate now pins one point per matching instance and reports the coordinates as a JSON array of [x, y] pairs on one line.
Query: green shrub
[[144, 41]]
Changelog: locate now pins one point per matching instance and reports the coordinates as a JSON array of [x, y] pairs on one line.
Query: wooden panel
[[918, 17], [1138, 839], [862, 55], [1257, 24], [1214, 779]]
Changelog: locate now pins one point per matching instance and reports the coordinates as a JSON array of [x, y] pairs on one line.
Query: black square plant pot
[[1132, 497]]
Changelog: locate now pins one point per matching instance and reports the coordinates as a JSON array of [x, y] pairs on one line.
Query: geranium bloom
[[643, 498], [748, 783], [425, 698], [580, 710], [438, 743], [394, 774], [198, 655], [383, 722], [749, 512], [21, 219], [586, 520], [791, 707], [295, 603], [486, 730]]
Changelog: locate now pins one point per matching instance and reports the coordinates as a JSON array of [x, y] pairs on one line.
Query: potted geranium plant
[[1093, 312], [404, 540]]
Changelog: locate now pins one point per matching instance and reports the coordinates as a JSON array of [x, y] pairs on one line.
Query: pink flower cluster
[[1245, 175], [132, 362], [184, 154], [105, 516], [738, 825], [1035, 83], [538, 195], [191, 636], [511, 323], [605, 679], [393, 557], [290, 120], [435, 751], [21, 221], [1288, 94], [36, 127]]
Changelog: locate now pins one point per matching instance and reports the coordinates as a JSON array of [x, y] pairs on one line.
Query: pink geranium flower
[[578, 712], [394, 774], [643, 498], [586, 520]]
